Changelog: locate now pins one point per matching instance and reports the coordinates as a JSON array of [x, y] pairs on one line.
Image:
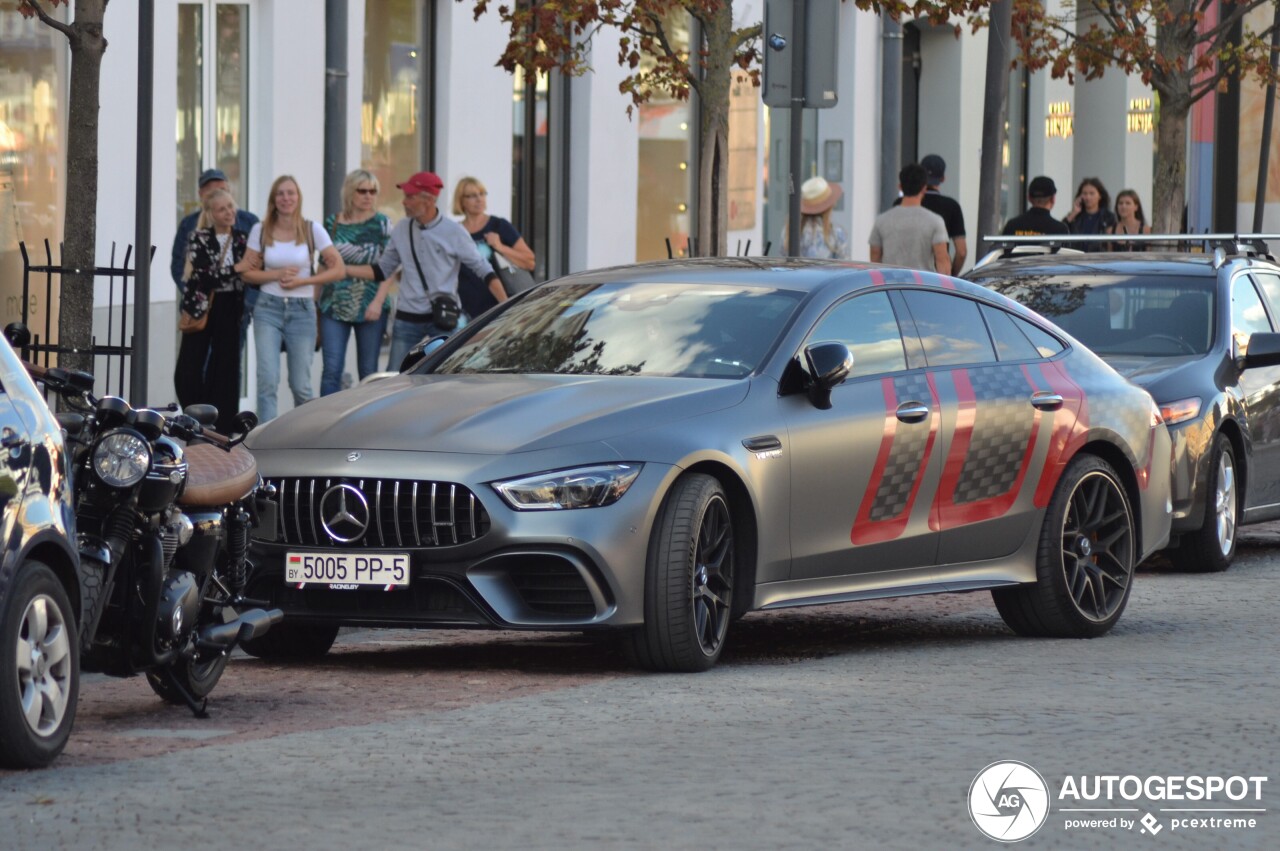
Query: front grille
[[552, 587], [401, 513]]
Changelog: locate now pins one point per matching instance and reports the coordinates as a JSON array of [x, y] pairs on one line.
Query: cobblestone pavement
[[856, 726]]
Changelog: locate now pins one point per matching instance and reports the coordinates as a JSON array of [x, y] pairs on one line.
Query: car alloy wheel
[[1224, 504], [1084, 561], [39, 669], [1211, 548], [688, 580]]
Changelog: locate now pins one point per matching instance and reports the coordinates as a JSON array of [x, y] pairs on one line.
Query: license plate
[[347, 571]]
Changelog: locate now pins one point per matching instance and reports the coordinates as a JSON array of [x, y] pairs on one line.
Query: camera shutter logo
[[1008, 801], [344, 513]]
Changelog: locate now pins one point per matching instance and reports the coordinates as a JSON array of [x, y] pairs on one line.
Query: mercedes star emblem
[[344, 513]]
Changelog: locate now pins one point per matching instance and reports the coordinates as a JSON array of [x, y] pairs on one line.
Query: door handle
[[12, 439], [912, 412], [1045, 400]]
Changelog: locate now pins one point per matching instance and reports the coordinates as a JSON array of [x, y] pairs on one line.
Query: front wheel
[[39, 669], [1212, 547], [1084, 562], [688, 580], [197, 676]]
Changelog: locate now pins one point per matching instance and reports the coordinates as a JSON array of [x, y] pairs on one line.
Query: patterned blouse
[[360, 244], [813, 242], [209, 268]]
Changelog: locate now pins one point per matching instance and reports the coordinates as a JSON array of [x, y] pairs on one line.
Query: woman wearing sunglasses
[[355, 303]]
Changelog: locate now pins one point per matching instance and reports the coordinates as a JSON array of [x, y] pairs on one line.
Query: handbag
[[514, 279], [189, 323]]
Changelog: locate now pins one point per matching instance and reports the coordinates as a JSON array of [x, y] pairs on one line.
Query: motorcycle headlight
[[121, 458], [581, 487]]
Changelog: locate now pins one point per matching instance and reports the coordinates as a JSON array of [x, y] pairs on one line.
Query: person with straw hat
[[818, 236]]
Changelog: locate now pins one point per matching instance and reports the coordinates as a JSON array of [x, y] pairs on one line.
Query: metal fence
[[110, 358]]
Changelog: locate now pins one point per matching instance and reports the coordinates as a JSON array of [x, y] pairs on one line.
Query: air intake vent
[[551, 586], [395, 513]]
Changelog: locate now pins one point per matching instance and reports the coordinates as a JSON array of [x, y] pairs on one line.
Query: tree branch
[[34, 5]]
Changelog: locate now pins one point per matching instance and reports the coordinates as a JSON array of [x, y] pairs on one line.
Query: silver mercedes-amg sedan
[[655, 450]]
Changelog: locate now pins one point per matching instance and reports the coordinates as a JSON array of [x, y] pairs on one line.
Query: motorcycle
[[164, 506]]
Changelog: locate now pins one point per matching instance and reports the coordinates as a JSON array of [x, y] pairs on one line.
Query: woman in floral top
[[360, 234]]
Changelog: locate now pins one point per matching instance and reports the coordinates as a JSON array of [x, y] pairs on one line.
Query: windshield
[[704, 331], [1152, 316]]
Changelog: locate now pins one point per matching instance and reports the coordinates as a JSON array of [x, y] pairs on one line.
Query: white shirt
[[281, 254]]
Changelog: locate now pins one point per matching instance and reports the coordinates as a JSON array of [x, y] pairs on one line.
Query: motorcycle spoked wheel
[[197, 675]]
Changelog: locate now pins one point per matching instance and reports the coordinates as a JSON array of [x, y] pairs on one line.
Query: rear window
[[1149, 315]]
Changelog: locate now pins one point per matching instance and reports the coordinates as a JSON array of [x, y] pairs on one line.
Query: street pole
[[142, 222], [335, 102], [890, 110], [994, 109], [1268, 116], [797, 125]]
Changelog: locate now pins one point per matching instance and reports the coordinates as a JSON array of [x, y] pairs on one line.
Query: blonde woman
[[356, 302], [280, 260], [818, 236], [492, 235]]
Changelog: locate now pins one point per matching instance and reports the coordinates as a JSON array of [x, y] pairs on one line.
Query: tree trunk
[[75, 322], [713, 133], [1169, 189]]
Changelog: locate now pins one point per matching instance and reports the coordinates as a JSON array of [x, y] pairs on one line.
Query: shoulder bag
[[514, 279], [445, 311]]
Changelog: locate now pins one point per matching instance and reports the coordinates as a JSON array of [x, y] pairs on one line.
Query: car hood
[[1144, 371], [492, 414]]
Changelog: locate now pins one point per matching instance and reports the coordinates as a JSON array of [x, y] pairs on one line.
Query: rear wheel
[[293, 642], [39, 669], [1085, 560], [688, 580], [1212, 547]]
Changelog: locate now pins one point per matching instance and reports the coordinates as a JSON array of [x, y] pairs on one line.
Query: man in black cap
[[210, 181], [949, 208], [1037, 221]]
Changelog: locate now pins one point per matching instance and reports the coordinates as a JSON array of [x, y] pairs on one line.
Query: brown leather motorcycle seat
[[216, 477]]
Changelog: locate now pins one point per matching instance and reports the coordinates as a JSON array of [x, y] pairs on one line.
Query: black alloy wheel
[[1085, 559], [688, 580]]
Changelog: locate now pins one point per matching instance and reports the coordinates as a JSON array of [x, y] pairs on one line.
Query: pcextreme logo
[[1009, 801]]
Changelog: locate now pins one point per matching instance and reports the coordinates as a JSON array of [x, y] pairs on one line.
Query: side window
[[950, 327], [1248, 316], [1270, 283], [1046, 344], [1011, 344], [867, 325]]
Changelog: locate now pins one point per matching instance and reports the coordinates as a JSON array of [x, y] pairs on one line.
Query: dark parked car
[[658, 449], [1199, 332], [39, 582]]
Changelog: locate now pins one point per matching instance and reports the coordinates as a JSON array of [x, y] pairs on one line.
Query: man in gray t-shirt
[[910, 235]]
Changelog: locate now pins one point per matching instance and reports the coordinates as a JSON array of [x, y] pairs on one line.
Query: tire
[[198, 676], [293, 642], [1084, 562], [39, 669], [1212, 547], [688, 598]]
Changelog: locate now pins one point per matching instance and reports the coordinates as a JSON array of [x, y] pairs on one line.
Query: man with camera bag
[[429, 248]]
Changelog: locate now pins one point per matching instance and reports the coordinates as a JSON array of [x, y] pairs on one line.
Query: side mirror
[[829, 364], [245, 422], [423, 348], [18, 335], [206, 415], [1263, 349]]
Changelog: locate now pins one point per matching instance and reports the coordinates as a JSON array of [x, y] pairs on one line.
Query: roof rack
[[1220, 245]]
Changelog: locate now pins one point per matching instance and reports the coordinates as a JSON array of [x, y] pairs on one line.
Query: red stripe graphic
[[868, 531]]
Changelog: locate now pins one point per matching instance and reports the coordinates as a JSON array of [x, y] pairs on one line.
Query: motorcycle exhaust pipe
[[250, 625]]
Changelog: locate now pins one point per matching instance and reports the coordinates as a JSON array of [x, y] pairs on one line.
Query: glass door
[[213, 98]]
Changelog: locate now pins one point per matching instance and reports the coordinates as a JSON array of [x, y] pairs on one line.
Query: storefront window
[[391, 125], [744, 103], [213, 99], [529, 165], [33, 71], [666, 164]]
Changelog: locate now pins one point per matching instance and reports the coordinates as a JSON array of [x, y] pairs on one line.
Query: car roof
[[1101, 263]]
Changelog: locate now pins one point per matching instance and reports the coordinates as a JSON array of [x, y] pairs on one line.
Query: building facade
[[242, 86]]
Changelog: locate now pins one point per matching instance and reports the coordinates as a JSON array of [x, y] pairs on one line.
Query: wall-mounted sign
[[1141, 116], [1060, 122]]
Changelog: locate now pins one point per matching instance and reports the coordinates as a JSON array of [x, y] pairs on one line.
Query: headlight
[[1180, 411], [581, 487], [122, 458]]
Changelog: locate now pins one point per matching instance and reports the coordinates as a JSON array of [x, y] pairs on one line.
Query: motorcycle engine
[[179, 605]]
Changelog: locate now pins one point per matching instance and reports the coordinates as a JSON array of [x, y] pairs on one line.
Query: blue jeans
[[404, 335], [333, 346], [293, 322]]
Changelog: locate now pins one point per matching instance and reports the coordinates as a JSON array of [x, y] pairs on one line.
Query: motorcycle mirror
[[18, 335], [203, 414], [246, 421]]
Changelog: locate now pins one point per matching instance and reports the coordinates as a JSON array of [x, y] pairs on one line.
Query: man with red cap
[[429, 249]]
